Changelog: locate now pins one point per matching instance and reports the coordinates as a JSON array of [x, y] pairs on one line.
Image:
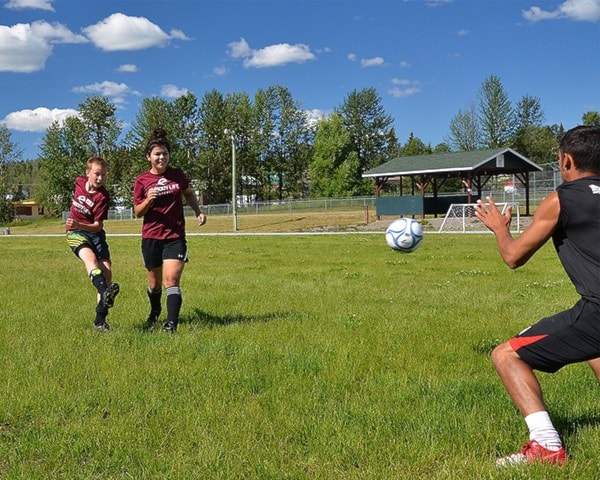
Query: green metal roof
[[495, 161]]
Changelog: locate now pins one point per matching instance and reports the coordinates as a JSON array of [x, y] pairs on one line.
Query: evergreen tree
[[495, 113]]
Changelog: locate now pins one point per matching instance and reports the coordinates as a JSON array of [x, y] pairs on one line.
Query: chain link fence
[[504, 189]]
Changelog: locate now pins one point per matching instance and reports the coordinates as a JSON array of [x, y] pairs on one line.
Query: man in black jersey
[[571, 217]]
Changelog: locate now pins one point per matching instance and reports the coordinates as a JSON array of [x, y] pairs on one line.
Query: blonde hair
[[96, 161]]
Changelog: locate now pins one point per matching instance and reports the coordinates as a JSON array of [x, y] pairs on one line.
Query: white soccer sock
[[542, 431]]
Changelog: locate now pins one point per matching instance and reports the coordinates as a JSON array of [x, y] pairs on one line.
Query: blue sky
[[426, 59]]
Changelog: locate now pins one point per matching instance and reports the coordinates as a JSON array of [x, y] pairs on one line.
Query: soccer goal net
[[461, 218]]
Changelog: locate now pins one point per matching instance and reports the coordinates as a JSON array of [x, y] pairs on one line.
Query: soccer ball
[[404, 235]]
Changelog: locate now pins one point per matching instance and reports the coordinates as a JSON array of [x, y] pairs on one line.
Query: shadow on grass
[[568, 426], [202, 318]]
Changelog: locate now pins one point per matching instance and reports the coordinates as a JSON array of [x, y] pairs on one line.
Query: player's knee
[[501, 354]]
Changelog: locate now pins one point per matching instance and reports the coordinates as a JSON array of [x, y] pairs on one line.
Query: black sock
[[174, 301], [101, 313], [98, 280], [155, 299]]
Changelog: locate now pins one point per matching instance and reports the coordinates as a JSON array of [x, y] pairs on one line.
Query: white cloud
[[34, 4], [436, 3], [122, 32], [462, 32], [21, 50], [582, 10], [38, 119], [366, 62], [172, 91], [271, 56], [372, 62], [219, 71], [404, 64], [177, 34], [115, 91], [404, 88], [239, 49], [535, 14], [56, 33], [578, 10], [24, 48], [313, 116], [127, 68]]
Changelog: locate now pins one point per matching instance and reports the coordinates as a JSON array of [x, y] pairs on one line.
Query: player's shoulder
[[549, 207], [142, 176]]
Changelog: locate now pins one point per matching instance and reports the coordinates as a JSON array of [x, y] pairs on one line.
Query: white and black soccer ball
[[404, 235]]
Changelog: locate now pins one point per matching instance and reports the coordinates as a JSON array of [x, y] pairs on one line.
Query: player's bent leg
[[518, 379], [595, 366]]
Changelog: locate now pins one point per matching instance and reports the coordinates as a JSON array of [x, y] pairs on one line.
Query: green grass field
[[297, 357]]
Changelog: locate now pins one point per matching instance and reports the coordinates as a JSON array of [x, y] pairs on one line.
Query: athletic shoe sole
[[109, 295]]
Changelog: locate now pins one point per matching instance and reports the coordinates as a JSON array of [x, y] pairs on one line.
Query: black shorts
[[568, 337], [154, 252], [78, 239]]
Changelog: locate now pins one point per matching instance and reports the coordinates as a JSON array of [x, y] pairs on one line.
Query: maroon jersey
[[88, 207], [164, 219]]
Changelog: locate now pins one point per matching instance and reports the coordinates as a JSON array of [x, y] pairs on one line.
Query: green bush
[[7, 211]]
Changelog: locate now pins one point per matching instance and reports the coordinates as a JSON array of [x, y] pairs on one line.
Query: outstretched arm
[[517, 251]]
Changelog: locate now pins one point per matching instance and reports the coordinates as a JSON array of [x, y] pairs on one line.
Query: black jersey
[[577, 235]]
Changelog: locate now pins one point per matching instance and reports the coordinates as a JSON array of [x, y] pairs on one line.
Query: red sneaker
[[534, 452]]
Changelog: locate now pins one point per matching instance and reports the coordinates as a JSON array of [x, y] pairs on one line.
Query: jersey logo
[[162, 181], [595, 189]]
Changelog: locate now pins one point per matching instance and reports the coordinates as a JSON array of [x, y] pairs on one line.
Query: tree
[[285, 135], [9, 152], [414, 146], [465, 132], [20, 179], [529, 112], [369, 127], [538, 143], [102, 127], [495, 113], [153, 112], [184, 132], [214, 158], [591, 119], [64, 152], [334, 164]]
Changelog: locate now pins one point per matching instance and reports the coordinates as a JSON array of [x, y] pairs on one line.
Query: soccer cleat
[[533, 452], [169, 327], [109, 295], [102, 326], [151, 320]]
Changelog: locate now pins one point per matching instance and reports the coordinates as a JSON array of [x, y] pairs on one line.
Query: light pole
[[233, 180]]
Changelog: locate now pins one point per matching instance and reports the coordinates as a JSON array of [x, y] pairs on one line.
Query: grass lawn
[[297, 357]]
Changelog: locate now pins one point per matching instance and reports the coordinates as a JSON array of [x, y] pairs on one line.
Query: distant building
[[29, 210]]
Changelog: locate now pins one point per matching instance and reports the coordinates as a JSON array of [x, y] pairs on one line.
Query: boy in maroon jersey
[[87, 238], [158, 197]]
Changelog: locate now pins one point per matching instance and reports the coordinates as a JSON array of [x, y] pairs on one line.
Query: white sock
[[542, 431]]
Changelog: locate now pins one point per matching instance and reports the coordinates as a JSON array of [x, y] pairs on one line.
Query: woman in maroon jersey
[[158, 197], [86, 236]]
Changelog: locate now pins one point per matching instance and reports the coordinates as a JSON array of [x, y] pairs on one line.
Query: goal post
[[461, 218]]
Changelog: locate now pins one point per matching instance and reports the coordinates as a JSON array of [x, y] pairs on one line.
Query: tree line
[[280, 152]]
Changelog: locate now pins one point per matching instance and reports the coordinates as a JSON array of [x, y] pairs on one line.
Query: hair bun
[[159, 132]]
